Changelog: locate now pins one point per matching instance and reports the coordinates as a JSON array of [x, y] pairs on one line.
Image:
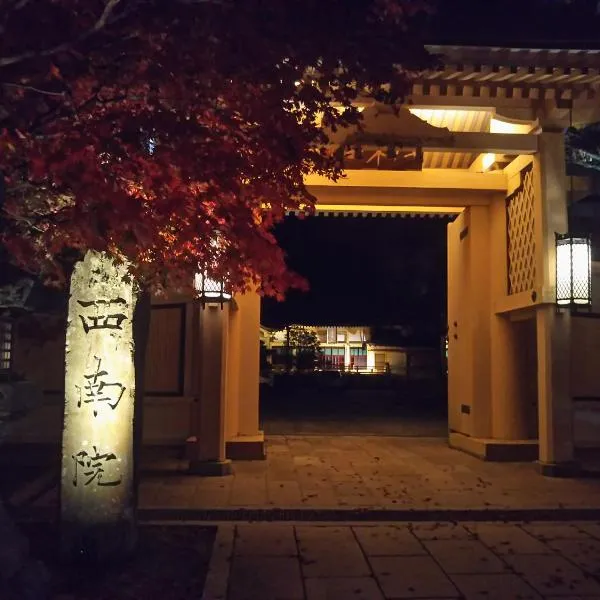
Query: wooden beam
[[517, 165], [391, 209], [496, 143], [440, 179], [480, 164], [515, 302], [380, 197]]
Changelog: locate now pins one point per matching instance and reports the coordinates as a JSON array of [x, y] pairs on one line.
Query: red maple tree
[[150, 128]]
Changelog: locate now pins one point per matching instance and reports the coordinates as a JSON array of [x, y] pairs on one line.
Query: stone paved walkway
[[483, 561], [318, 472]]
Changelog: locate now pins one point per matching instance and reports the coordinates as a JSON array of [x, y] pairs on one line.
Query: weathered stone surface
[[330, 552], [97, 462], [555, 531], [584, 553], [265, 578], [494, 587], [265, 539], [441, 531], [217, 578], [553, 575], [464, 556], [338, 588], [388, 486], [391, 540], [412, 577], [506, 538]]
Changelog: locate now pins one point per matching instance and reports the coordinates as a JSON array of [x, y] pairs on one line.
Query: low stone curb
[[343, 515], [335, 514], [217, 577]]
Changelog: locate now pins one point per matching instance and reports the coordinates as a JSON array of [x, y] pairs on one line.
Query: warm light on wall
[[573, 270], [488, 160], [500, 124]]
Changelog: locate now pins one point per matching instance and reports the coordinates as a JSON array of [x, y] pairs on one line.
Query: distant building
[[351, 348]]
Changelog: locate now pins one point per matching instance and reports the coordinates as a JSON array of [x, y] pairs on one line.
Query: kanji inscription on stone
[[90, 468], [98, 389], [102, 314]]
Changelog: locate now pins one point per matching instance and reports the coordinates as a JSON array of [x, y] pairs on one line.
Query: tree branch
[[21, 4], [31, 89], [100, 24]]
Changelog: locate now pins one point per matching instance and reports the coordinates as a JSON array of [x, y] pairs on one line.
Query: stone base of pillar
[[210, 468], [495, 450], [246, 447], [565, 470]]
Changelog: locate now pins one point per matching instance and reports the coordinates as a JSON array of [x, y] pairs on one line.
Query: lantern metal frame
[[7, 338], [573, 293], [211, 291]]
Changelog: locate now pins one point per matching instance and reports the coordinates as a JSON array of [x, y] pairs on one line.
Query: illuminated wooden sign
[[389, 158]]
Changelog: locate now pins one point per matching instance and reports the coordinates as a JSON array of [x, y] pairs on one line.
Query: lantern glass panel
[[573, 271], [563, 271], [210, 289], [6, 342]]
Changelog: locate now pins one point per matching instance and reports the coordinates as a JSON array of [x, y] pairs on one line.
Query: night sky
[[517, 23], [364, 271]]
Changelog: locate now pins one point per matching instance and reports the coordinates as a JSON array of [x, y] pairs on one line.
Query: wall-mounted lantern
[[211, 291], [573, 270], [6, 345]]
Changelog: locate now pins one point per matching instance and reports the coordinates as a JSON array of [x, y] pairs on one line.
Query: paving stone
[[265, 578], [343, 588], [319, 498], [412, 577], [507, 538], [464, 556], [553, 575], [441, 531], [210, 499], [250, 467], [494, 586], [249, 491], [555, 531], [284, 493], [584, 553], [330, 552], [592, 529], [391, 540], [268, 539], [572, 597], [350, 488], [395, 472], [278, 474], [357, 500]]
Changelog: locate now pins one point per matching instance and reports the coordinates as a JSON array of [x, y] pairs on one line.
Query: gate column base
[[246, 447], [210, 468], [495, 450], [563, 470]]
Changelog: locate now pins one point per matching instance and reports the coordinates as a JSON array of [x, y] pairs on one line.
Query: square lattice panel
[[520, 219]]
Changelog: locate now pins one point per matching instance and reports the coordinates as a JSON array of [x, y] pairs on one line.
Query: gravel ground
[[171, 564]]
